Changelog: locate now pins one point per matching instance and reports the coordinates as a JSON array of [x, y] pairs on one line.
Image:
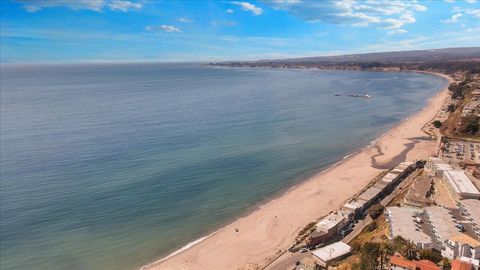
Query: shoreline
[[250, 248]]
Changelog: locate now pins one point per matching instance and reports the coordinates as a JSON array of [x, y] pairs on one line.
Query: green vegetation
[[451, 108], [427, 254], [437, 124], [375, 211], [470, 125], [371, 227], [369, 254]]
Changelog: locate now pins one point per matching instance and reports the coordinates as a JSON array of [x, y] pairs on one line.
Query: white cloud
[[449, 1], [453, 19], [165, 28], [124, 6], [230, 10], [384, 14], [95, 5], [474, 12], [397, 31], [246, 6], [185, 20], [471, 1]]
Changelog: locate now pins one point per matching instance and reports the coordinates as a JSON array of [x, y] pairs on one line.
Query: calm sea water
[[113, 166]]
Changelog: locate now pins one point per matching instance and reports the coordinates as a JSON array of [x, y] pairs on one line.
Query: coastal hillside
[[440, 60]]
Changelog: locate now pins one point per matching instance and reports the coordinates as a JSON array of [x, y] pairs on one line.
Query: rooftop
[[460, 182], [473, 208], [370, 193], [419, 192], [389, 177], [332, 251], [442, 221], [465, 239], [330, 221], [400, 261], [402, 223], [459, 265]]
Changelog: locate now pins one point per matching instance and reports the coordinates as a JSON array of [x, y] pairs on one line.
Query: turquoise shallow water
[[112, 166]]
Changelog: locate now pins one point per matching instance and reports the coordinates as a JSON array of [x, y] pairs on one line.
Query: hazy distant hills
[[417, 56], [446, 54], [441, 60]]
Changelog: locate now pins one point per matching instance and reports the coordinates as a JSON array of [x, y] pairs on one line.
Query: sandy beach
[[251, 241]]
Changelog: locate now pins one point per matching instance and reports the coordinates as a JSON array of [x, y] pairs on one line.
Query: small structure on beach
[[331, 252]]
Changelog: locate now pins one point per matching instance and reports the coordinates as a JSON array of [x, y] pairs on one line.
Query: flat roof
[[370, 193], [473, 208], [402, 223], [353, 205], [419, 190], [444, 225], [465, 239], [389, 177], [330, 221], [332, 251], [460, 182]]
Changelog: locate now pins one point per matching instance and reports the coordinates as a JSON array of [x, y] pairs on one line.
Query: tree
[[405, 247], [451, 108], [369, 255], [470, 125], [375, 210], [447, 265], [427, 254], [437, 123]]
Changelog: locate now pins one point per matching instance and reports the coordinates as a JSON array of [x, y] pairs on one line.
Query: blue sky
[[155, 30]]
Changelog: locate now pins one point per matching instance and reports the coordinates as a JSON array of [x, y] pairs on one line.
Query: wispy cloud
[[230, 10], [246, 6], [165, 28], [124, 6], [397, 31], [453, 19], [95, 5], [381, 13], [185, 20]]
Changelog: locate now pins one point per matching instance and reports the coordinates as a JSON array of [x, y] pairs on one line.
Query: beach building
[[332, 223], [370, 196], [470, 209], [460, 186], [437, 166], [331, 252], [419, 194], [400, 263], [330, 227], [355, 206], [461, 246], [406, 222], [460, 265], [443, 224]]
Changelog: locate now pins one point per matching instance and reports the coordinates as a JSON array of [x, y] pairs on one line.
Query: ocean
[[112, 166]]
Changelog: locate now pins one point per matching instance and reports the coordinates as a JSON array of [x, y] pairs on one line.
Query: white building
[[442, 222], [404, 222], [460, 185], [437, 166], [470, 209], [461, 245], [333, 223], [331, 252]]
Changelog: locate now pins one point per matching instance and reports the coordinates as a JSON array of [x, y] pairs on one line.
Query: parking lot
[[462, 151]]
